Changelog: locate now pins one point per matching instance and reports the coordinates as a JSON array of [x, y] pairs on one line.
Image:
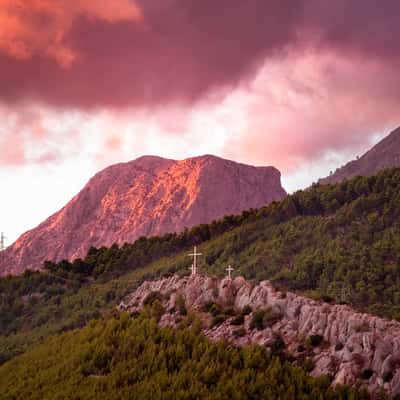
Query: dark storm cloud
[[182, 50], [369, 28], [178, 52]]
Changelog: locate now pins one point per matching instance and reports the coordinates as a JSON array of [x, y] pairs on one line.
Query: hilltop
[[385, 154], [145, 197]]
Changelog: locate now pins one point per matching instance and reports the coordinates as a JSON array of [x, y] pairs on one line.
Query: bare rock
[[145, 197], [396, 384]]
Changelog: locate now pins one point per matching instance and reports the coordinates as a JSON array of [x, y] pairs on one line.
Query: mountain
[[145, 197], [335, 244], [385, 154], [339, 243]]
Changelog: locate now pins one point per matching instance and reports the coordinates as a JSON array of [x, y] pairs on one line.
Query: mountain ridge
[[144, 197], [385, 154]]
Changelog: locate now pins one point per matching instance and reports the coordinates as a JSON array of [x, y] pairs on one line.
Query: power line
[[2, 241]]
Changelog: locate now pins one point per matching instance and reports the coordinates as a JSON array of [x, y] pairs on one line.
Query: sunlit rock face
[[145, 197], [350, 347]]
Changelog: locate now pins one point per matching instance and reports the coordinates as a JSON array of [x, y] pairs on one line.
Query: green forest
[[129, 358], [339, 243]]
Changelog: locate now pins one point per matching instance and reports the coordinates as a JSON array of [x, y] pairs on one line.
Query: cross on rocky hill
[[229, 270], [194, 265]]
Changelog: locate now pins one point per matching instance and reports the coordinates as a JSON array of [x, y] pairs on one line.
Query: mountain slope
[[338, 341], [145, 197], [339, 242], [385, 154]]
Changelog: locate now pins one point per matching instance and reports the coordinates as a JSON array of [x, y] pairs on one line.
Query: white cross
[[230, 270], [194, 255]]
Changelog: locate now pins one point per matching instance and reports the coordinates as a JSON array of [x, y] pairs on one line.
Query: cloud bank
[[277, 82], [101, 54]]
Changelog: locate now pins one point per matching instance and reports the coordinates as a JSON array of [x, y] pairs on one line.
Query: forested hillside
[[385, 154], [135, 359], [341, 242]]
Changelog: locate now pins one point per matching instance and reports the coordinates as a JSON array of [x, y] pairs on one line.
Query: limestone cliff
[[145, 197], [349, 346]]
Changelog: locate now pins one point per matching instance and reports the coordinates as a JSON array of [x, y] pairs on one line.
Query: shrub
[[277, 343], [215, 310], [308, 364], [387, 376], [350, 348], [217, 320], [157, 310], [271, 316], [229, 312], [314, 340], [301, 348], [327, 299], [339, 346], [265, 318], [212, 308], [207, 307], [180, 303], [239, 332], [246, 310], [152, 297], [257, 321], [238, 320], [367, 373]]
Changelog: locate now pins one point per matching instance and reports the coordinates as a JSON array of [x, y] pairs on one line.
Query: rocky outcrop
[[337, 341], [145, 197], [385, 154]]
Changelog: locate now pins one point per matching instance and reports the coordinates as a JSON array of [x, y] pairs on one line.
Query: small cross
[[194, 255], [230, 270]]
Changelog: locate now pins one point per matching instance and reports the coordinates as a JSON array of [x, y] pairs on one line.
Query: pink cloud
[[12, 150], [36, 135], [275, 82], [306, 106], [180, 51], [31, 27]]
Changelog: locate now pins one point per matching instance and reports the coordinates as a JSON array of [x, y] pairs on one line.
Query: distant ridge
[[385, 154], [144, 197]]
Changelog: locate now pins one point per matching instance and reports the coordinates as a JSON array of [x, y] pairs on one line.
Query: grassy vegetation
[[340, 242]]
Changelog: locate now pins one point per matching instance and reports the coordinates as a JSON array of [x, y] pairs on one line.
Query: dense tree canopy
[[135, 359]]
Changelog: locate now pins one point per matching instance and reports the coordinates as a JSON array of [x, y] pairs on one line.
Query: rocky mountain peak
[[144, 197]]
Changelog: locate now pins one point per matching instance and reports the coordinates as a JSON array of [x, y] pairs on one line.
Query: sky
[[302, 85]]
